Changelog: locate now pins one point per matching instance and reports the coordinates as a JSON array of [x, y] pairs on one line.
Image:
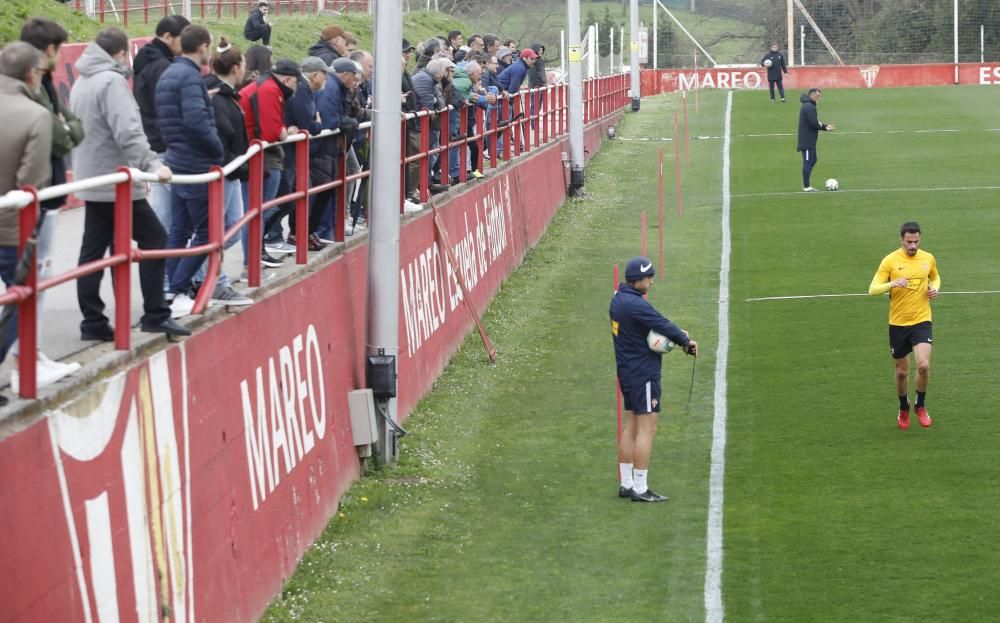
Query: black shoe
[[4, 400], [624, 492], [648, 496], [270, 261], [100, 334], [169, 326]]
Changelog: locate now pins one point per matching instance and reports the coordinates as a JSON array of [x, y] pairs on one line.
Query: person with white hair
[[427, 85]]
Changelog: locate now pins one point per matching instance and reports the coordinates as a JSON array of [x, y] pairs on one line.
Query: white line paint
[[876, 190], [714, 612], [847, 294]]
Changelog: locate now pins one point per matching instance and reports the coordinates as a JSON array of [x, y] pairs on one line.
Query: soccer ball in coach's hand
[[832, 184], [767, 63], [659, 343]]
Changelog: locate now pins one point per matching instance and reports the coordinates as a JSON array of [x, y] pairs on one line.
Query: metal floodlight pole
[[576, 162], [634, 57], [791, 33], [383, 239], [955, 33], [802, 44], [656, 36]]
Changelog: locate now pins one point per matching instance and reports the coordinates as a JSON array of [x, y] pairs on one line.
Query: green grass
[[503, 507], [292, 35], [831, 512]]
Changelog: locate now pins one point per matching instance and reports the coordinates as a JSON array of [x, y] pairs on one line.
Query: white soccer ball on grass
[[659, 343], [832, 184]]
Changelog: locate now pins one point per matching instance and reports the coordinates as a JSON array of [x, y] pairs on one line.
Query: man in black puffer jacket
[[775, 68], [809, 127]]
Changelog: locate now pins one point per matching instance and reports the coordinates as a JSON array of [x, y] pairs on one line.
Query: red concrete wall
[[191, 483], [824, 76]]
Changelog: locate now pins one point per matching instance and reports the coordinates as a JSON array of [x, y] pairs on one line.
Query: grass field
[[504, 506]]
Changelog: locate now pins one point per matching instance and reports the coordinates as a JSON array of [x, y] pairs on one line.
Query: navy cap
[[639, 268]]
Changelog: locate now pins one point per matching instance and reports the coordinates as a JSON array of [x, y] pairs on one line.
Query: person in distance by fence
[[632, 318], [910, 276], [114, 138], [258, 27], [809, 127], [774, 61]]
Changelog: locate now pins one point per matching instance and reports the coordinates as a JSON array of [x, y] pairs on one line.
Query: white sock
[[639, 480], [625, 469]]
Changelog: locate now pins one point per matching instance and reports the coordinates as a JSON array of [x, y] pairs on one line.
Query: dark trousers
[[809, 160], [412, 168], [188, 227], [98, 236], [781, 89], [8, 267]]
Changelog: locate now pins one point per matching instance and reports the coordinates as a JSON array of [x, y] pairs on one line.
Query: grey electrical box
[[362, 406]]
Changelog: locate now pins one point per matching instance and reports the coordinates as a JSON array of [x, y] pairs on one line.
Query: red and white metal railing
[[546, 123]]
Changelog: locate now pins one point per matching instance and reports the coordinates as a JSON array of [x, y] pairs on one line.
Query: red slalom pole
[[677, 166], [661, 211], [644, 232], [618, 404], [687, 148]]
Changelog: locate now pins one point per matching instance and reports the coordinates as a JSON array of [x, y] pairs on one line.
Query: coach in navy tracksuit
[[809, 127], [775, 69], [632, 318]]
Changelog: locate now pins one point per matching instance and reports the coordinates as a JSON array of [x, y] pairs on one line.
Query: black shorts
[[902, 339], [644, 398]]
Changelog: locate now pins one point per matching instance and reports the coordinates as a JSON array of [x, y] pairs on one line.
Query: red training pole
[[661, 211], [123, 271], [677, 167], [644, 232], [687, 148], [618, 402]]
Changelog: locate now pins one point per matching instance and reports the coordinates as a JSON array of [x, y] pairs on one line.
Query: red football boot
[[923, 417], [903, 421]]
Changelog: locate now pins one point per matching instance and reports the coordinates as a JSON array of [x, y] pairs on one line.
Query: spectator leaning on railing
[[331, 103], [427, 85], [113, 139], [149, 64], [411, 201], [67, 132], [25, 160], [228, 69], [331, 45], [263, 104], [363, 102], [187, 123]]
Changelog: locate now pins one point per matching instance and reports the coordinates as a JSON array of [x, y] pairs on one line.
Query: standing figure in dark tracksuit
[[809, 127], [632, 318], [775, 70]]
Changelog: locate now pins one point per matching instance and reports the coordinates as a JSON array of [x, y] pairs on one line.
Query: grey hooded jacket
[[113, 135]]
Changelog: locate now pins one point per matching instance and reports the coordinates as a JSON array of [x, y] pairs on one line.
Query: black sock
[[920, 398], [904, 404]]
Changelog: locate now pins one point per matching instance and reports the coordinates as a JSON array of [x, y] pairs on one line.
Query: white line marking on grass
[[875, 190], [847, 294], [713, 559]]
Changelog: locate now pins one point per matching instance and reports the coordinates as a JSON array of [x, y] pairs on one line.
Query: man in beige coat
[[24, 160]]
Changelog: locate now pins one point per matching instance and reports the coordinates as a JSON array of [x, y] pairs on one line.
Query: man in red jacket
[[263, 104]]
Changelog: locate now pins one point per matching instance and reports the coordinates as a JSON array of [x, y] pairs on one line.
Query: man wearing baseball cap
[[632, 318]]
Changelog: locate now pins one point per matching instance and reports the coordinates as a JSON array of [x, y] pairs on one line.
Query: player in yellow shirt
[[911, 278]]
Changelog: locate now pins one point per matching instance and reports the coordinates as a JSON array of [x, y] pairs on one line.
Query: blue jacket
[[510, 79], [425, 88], [330, 103], [300, 111], [809, 124], [632, 318], [186, 119]]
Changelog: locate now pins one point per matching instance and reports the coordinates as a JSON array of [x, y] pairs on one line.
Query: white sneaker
[[45, 374], [69, 366], [810, 189], [409, 206], [181, 306], [264, 276], [325, 241], [279, 248]]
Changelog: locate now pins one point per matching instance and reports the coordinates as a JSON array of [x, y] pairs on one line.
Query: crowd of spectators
[[196, 102]]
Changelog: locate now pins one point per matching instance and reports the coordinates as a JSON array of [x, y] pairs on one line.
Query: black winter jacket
[[536, 73], [255, 27], [777, 65], [230, 124], [150, 63], [809, 124], [632, 318], [323, 50]]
